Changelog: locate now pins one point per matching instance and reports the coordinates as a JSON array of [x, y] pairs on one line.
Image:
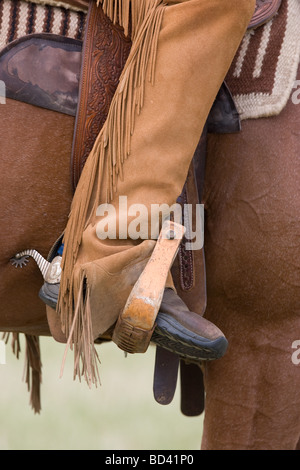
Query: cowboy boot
[[180, 54], [174, 328], [186, 333]]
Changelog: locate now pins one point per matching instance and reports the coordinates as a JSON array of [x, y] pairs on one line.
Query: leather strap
[[192, 389], [104, 54], [165, 376], [189, 266]]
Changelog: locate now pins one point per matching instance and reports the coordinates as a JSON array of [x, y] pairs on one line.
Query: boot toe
[[174, 336]]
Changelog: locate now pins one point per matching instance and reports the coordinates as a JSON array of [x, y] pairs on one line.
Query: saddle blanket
[[262, 74], [19, 18], [264, 70]]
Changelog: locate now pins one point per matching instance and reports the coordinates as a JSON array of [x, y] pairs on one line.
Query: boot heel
[[136, 323]]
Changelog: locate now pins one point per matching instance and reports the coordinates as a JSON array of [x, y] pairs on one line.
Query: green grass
[[121, 414]]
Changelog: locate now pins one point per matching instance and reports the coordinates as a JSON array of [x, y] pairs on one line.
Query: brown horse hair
[[32, 367]]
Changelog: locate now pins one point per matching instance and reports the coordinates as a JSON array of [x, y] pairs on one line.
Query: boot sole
[[174, 337]]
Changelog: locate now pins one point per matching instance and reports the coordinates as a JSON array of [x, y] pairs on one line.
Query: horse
[[252, 203], [251, 199]]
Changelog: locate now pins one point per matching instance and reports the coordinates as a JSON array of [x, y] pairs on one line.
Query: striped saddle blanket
[[264, 70], [262, 74]]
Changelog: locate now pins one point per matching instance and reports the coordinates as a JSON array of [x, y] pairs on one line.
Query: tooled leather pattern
[[110, 49], [185, 256]]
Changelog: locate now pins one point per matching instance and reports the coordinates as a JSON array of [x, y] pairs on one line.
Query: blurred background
[[121, 414]]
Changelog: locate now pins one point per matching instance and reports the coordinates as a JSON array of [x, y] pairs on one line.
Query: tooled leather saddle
[[83, 87]]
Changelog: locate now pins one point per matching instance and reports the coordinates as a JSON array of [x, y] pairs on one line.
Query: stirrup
[[136, 323]]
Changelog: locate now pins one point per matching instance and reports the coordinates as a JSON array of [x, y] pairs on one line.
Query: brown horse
[[252, 257], [252, 198]]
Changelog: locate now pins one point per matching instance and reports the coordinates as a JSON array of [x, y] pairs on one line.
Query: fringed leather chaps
[[180, 54]]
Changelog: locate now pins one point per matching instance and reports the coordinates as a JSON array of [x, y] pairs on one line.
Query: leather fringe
[[81, 338], [32, 368], [143, 19]]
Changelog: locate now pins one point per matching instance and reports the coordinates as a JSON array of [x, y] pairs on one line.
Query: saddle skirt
[[43, 70]]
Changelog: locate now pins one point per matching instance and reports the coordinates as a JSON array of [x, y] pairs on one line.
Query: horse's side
[[252, 197], [252, 252], [35, 199], [35, 180]]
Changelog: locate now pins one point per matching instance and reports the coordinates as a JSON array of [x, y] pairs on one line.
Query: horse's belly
[[252, 198]]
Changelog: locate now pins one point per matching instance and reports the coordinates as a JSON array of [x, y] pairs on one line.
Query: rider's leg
[[145, 155]]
